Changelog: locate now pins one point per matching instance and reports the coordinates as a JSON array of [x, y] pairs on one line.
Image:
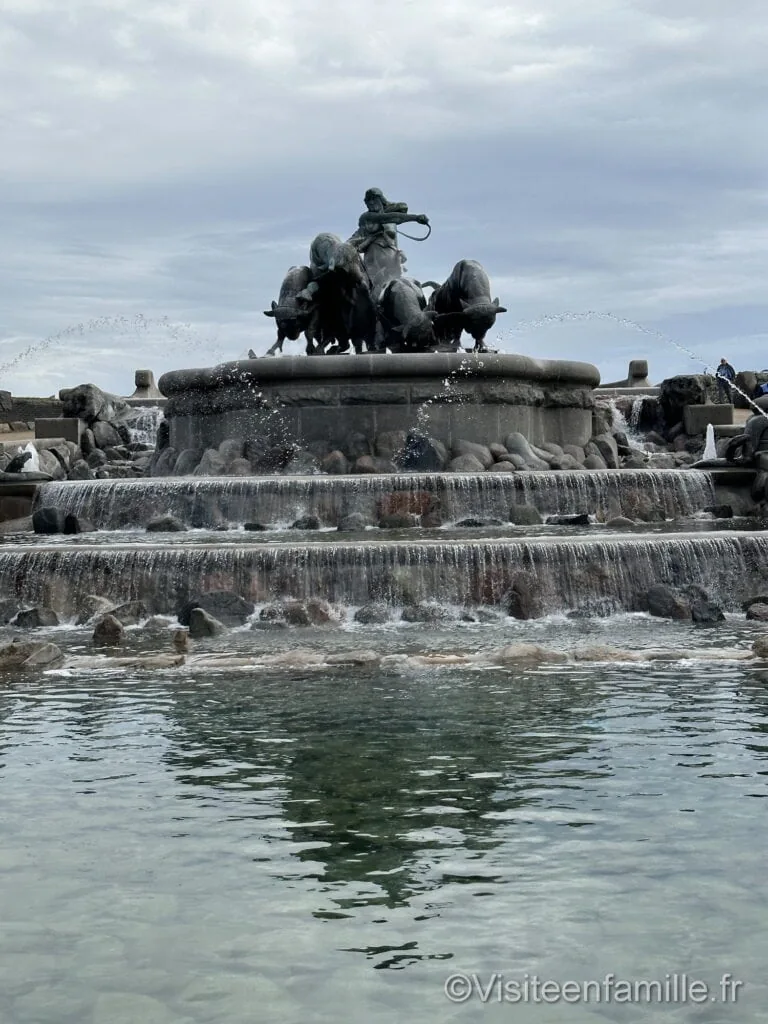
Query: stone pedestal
[[696, 418], [66, 427], [450, 396]]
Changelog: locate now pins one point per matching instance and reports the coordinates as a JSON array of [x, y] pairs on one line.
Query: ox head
[[291, 320], [419, 334], [479, 317]]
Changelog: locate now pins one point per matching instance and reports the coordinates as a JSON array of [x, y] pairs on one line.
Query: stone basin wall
[[451, 396]]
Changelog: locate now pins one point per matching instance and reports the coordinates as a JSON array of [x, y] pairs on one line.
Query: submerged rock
[[704, 610], [224, 605], [394, 521], [306, 523], [36, 618], [620, 522], [427, 612], [201, 624], [359, 659], [9, 609], [690, 602], [181, 641], [91, 606], [666, 602], [720, 511], [74, 524], [156, 624], [131, 613], [521, 514], [272, 612], [758, 612], [109, 632], [599, 653], [373, 614], [314, 612], [48, 520], [651, 514], [353, 523], [165, 524], [526, 654], [524, 600], [576, 519], [474, 523], [24, 655]]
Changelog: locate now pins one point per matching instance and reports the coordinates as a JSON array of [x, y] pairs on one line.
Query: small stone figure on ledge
[[745, 448]]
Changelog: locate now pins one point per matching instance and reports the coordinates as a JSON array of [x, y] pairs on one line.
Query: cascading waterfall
[[565, 572], [636, 413], [205, 502], [143, 425]]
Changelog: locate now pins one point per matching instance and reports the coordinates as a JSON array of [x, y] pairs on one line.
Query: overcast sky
[[165, 161]]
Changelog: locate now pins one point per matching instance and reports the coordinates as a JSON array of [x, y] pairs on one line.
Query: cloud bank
[[165, 162]]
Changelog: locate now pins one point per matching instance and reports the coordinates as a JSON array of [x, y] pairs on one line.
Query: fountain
[[710, 451], [422, 473]]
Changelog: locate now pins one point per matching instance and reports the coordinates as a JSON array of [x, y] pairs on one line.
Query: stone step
[[560, 573], [697, 418]]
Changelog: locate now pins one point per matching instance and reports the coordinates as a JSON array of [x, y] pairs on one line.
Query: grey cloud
[[170, 160]]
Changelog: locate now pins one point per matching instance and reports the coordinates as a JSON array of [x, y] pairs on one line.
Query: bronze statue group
[[354, 293]]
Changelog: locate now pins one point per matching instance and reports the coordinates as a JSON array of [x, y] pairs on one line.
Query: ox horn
[[481, 309]]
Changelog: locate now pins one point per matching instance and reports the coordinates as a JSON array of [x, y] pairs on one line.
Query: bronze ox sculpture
[[355, 293]]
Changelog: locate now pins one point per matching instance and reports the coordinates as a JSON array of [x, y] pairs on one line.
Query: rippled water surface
[[333, 845]]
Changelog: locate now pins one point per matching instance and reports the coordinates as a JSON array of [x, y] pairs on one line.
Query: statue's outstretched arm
[[394, 218]]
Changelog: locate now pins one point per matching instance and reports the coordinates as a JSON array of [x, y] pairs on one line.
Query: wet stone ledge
[[317, 398]]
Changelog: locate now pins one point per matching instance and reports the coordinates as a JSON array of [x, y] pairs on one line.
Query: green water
[[332, 846]]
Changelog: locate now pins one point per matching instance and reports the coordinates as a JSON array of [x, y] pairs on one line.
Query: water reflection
[[379, 778], [284, 846]]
